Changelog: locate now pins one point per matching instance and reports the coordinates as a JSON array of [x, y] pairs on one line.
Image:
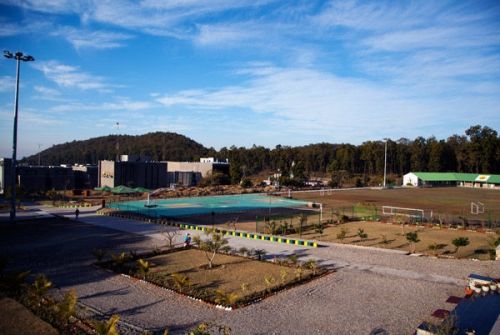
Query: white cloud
[[71, 76], [87, 39], [227, 34], [47, 91], [123, 104], [434, 37], [309, 101]]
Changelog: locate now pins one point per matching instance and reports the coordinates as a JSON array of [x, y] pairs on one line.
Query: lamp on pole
[[18, 56], [385, 162]]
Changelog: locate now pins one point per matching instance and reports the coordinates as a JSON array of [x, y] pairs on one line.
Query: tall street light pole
[[385, 162], [18, 56]]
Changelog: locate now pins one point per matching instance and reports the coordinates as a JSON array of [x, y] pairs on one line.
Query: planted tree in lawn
[[270, 227], [460, 242], [120, 259], [66, 308], [244, 287], [361, 234], [142, 267], [170, 236], [283, 275], [319, 228], [270, 281], [299, 271], [259, 253], [213, 244], [312, 265], [180, 281], [434, 247], [302, 223], [226, 299], [342, 234], [107, 327], [412, 238], [41, 285], [99, 254]]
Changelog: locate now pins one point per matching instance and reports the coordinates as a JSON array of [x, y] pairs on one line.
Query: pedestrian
[[77, 212], [187, 240]]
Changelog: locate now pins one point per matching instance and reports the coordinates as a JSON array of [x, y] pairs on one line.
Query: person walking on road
[[77, 212]]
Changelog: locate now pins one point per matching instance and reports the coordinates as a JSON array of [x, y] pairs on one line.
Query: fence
[[287, 224]]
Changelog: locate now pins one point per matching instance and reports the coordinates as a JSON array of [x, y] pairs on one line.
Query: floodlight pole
[[385, 162], [18, 56]]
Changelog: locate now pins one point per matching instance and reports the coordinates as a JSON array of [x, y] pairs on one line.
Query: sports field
[[452, 201], [209, 205]]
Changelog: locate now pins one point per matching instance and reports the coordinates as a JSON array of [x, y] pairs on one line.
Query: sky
[[245, 72]]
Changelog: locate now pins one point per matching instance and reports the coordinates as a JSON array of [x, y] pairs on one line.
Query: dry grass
[[228, 274], [453, 201], [395, 238]]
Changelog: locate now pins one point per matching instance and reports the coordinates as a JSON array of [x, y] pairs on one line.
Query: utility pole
[[117, 142], [385, 162], [18, 56]]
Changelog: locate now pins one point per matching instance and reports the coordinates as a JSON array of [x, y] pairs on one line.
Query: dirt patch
[[246, 278], [454, 201], [394, 237]]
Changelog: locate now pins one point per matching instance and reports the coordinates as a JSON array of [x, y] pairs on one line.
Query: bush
[[246, 183]]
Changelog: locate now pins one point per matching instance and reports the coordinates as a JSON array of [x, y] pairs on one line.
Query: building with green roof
[[429, 179]]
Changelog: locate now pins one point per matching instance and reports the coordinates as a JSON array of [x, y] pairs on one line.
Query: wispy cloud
[[308, 100], [51, 6], [71, 76], [87, 39], [122, 104], [7, 83]]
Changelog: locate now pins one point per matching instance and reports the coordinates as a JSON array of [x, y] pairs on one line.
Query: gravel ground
[[370, 289]]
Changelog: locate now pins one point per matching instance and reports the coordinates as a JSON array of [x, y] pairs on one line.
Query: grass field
[[241, 276], [395, 238], [453, 201]]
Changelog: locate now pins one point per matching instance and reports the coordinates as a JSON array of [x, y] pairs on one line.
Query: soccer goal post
[[476, 207], [414, 213]]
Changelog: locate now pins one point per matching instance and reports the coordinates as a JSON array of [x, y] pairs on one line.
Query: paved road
[[372, 288]]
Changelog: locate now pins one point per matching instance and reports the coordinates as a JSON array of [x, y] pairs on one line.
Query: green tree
[[211, 245], [361, 234], [181, 282], [460, 242], [412, 238]]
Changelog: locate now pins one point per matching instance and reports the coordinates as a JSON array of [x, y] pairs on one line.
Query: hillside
[[477, 151], [158, 145]]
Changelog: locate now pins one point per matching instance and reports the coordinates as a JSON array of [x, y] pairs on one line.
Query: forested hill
[[158, 145], [475, 151]]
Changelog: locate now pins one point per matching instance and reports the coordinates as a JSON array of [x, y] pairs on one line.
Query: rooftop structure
[[451, 179]]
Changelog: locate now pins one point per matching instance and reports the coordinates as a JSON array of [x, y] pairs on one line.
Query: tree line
[[476, 151]]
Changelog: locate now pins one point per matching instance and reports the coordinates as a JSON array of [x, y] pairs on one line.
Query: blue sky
[[249, 72]]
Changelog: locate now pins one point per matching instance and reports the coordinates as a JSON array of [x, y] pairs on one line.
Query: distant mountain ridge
[[157, 145], [477, 151]]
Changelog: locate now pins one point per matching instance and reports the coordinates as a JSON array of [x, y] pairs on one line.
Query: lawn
[[245, 279], [395, 238]]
